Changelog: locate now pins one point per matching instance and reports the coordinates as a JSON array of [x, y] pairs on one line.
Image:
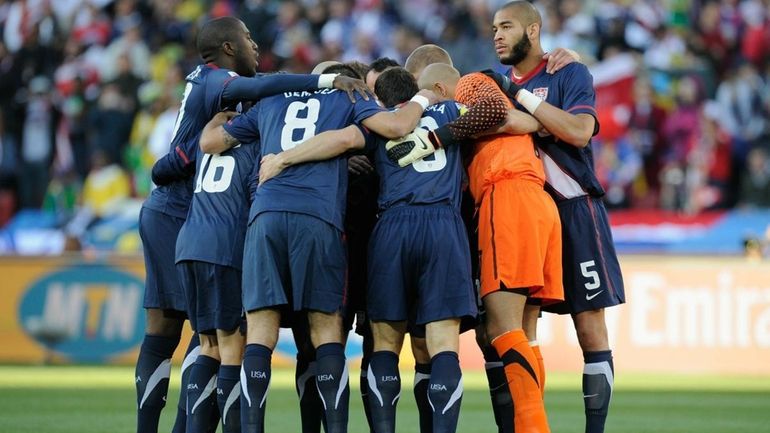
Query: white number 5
[[592, 274]]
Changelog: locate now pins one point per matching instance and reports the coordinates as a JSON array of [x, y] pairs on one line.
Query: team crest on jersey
[[541, 92]]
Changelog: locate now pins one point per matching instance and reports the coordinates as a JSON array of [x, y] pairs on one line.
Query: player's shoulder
[[574, 71]]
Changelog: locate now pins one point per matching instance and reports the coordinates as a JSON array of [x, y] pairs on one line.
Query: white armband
[[326, 81], [423, 101], [527, 100]]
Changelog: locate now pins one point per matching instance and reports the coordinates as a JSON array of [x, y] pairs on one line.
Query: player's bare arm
[[575, 129], [517, 123], [394, 124], [214, 138], [326, 145]]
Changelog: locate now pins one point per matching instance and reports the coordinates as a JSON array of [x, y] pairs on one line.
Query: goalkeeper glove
[[504, 83], [411, 147]]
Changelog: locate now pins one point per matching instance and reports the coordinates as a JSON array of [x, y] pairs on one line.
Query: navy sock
[[502, 404], [229, 397], [310, 407], [153, 368], [255, 379], [598, 380], [384, 382], [332, 383], [421, 382], [445, 391], [193, 349], [201, 395]]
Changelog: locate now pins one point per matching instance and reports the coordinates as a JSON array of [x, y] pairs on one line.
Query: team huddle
[[411, 199]]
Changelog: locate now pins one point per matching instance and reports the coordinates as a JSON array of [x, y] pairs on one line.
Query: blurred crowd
[[89, 89]]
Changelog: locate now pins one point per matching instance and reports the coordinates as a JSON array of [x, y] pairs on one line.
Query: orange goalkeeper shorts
[[520, 240]]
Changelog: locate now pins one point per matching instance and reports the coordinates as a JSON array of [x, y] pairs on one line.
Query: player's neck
[[529, 63]]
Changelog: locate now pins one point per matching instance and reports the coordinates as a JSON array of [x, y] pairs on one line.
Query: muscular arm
[[214, 138], [394, 124], [517, 123], [326, 145], [575, 129]]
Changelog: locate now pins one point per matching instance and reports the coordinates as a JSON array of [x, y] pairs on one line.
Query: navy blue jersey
[[434, 179], [210, 90], [280, 123], [569, 170], [216, 224]]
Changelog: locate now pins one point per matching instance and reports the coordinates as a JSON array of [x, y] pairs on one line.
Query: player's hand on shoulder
[[430, 96], [270, 166], [351, 86], [504, 83], [559, 58], [410, 148], [360, 164]]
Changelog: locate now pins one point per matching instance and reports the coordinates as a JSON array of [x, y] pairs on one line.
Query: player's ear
[[228, 48], [440, 89], [533, 31]]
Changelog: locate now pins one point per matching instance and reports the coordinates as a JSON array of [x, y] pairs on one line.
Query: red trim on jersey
[[531, 73], [182, 155], [576, 107], [212, 66]]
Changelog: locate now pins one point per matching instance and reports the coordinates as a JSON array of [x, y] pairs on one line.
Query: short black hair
[[383, 63], [214, 33], [394, 86], [342, 69]]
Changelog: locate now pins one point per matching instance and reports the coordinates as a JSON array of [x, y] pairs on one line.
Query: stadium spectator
[[755, 181]]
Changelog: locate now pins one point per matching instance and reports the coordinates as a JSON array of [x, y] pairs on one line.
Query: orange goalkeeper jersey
[[497, 157]]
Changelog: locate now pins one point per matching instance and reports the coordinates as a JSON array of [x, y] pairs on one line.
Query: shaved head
[[524, 11], [440, 78], [437, 73], [426, 55], [323, 65]]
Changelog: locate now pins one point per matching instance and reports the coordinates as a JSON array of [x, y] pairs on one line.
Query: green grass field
[[101, 399]]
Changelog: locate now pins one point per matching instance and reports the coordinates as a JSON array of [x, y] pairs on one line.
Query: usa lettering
[[389, 378], [258, 375], [324, 377], [437, 387], [192, 386]]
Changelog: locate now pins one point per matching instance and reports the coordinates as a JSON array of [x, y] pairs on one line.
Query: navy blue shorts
[[162, 288], [592, 277], [419, 266], [213, 296], [295, 260]]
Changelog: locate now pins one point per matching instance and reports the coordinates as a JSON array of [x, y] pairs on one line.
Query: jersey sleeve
[[577, 87], [239, 88], [178, 164], [244, 128], [363, 109]]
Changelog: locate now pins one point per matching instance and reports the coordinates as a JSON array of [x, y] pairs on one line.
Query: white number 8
[[292, 122]]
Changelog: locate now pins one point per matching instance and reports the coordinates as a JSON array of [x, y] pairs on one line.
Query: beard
[[518, 52]]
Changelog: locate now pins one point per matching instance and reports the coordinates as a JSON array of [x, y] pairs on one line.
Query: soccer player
[[419, 266], [564, 104], [376, 68], [519, 234], [294, 255], [209, 253], [226, 78]]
